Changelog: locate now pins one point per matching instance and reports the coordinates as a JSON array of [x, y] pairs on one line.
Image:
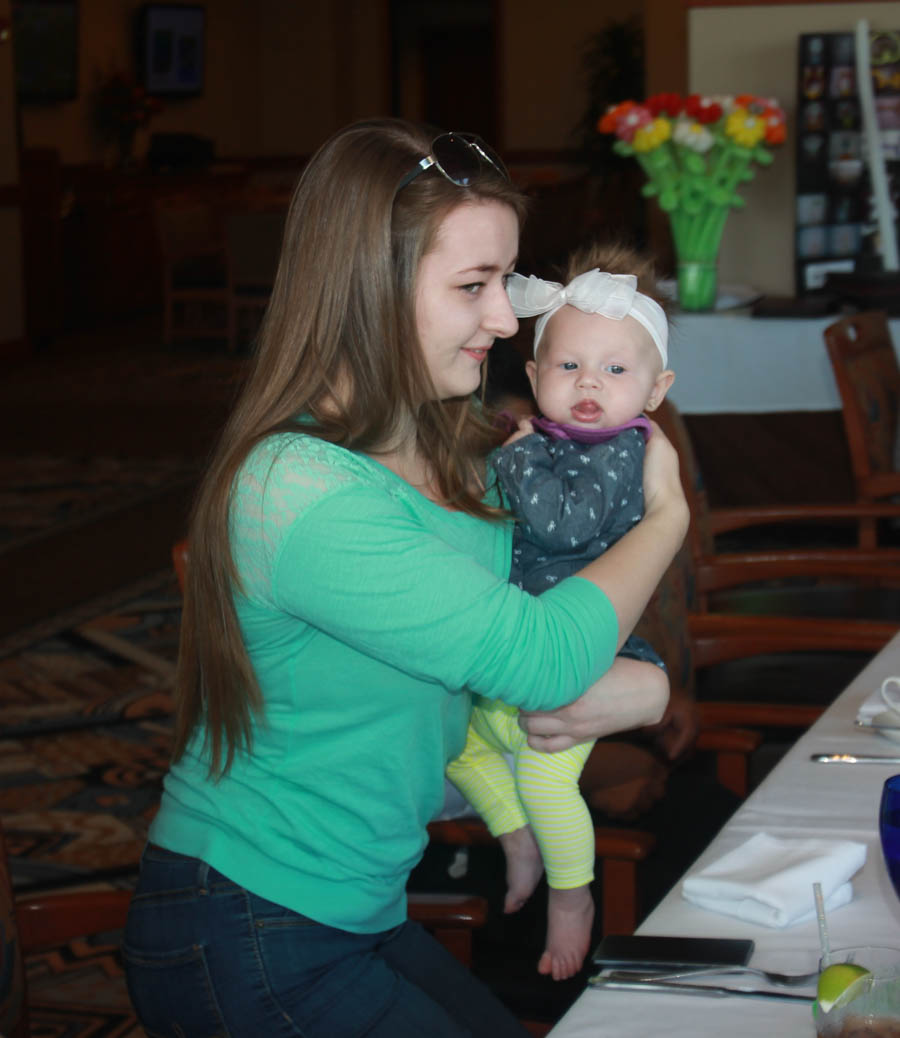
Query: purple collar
[[575, 432]]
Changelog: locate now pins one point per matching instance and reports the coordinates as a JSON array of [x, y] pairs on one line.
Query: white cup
[[890, 693]]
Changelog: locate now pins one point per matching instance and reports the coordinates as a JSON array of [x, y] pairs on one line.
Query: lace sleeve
[[282, 478]]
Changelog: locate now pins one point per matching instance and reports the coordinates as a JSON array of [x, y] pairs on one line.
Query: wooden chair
[[43, 921], [696, 641], [195, 269], [868, 380], [717, 575]]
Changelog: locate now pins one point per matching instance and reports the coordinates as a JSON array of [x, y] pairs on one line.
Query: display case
[[835, 221]]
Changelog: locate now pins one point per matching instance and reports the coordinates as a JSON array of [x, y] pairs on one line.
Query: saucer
[[887, 723]]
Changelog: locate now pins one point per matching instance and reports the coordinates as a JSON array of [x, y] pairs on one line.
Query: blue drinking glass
[[889, 828]]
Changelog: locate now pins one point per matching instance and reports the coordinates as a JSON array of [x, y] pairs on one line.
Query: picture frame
[[171, 45]]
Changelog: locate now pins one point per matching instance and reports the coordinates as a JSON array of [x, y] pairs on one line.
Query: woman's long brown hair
[[338, 345]]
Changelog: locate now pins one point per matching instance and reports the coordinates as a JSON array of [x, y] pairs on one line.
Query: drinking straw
[[824, 946]]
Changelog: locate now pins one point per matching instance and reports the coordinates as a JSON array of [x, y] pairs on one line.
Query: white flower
[[693, 135]]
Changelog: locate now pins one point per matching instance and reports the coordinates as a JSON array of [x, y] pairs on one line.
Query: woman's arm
[[630, 570], [629, 695]]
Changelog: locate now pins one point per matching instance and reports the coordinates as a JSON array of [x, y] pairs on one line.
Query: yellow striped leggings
[[541, 790]]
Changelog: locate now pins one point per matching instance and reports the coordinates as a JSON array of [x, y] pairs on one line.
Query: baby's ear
[[661, 386], [531, 372]]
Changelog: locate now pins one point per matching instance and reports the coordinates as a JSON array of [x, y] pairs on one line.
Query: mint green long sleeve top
[[370, 615]]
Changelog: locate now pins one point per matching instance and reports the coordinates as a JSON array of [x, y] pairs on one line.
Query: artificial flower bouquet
[[696, 151]]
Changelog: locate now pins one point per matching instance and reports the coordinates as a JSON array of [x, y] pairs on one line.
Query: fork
[[784, 979]]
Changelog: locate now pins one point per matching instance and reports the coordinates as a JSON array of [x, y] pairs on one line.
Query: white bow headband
[[596, 292]]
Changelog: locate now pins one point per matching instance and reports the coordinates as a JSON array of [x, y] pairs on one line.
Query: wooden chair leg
[[619, 851], [732, 747]]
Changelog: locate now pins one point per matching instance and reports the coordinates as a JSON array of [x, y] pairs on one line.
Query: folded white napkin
[[769, 881]]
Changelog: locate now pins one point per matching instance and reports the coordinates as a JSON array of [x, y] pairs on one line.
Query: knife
[[852, 758], [709, 990]]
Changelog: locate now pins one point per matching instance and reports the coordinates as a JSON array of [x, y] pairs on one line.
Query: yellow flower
[[652, 135], [746, 128]]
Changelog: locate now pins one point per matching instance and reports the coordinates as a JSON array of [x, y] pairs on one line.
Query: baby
[[573, 481]]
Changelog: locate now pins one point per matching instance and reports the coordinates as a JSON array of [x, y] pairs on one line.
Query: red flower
[[702, 109], [670, 104], [607, 122]]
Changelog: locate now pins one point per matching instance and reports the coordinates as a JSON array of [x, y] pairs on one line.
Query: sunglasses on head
[[459, 157]]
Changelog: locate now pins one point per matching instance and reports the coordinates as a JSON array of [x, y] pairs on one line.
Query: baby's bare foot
[[570, 914], [524, 866]]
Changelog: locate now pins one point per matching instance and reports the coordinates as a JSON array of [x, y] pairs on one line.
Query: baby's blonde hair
[[616, 258]]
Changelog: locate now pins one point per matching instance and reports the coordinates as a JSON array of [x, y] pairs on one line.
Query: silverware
[[852, 758], [786, 979], [707, 990]]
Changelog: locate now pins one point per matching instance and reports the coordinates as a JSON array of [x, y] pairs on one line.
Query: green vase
[[697, 235], [697, 284]]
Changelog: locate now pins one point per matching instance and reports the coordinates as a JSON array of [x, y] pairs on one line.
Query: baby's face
[[596, 372]]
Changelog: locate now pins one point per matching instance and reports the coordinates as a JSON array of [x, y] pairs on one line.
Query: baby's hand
[[525, 428]]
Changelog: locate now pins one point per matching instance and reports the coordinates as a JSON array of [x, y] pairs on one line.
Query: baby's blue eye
[[615, 369], [569, 365]]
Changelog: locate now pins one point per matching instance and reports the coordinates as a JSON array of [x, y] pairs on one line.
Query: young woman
[[347, 592]]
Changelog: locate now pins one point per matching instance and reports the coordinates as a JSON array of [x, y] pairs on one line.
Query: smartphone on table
[[620, 951]]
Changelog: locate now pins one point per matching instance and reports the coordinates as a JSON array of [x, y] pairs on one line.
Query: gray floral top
[[571, 501]]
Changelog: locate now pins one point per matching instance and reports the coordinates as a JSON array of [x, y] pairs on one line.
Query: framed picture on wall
[[171, 44]]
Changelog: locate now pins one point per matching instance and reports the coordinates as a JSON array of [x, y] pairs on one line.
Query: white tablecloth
[[733, 363], [798, 798]]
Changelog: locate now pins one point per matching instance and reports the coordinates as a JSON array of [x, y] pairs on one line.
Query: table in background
[[762, 407], [798, 799], [734, 363]]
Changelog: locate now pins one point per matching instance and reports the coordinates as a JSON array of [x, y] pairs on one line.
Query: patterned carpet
[[84, 742], [45, 493], [89, 432]]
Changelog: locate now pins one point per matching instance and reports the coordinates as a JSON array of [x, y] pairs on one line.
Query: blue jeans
[[205, 958]]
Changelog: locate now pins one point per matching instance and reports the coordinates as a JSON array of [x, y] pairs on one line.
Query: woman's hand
[[629, 695], [662, 483]]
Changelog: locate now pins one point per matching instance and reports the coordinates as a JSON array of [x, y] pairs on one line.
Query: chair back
[[13, 1017], [180, 561], [664, 623], [700, 536], [868, 381]]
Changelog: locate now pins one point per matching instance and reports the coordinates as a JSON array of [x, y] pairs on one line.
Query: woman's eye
[[473, 289]]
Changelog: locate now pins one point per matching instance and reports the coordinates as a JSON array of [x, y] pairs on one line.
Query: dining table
[[799, 798]]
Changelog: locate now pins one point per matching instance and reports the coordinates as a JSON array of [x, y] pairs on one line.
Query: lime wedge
[[840, 983]]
